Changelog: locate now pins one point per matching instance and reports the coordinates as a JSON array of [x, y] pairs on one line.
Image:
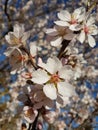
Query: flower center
[[21, 58], [73, 21], [86, 29], [55, 78], [16, 40]]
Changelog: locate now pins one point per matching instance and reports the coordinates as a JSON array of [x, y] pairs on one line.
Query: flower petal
[[65, 89], [9, 51], [50, 91], [48, 103], [81, 37], [56, 42], [64, 15], [69, 36], [93, 30], [18, 30], [62, 101], [7, 37], [52, 65], [61, 23], [91, 41], [29, 114], [78, 12], [91, 21], [75, 27], [33, 49], [25, 36], [66, 73], [52, 32], [40, 76]]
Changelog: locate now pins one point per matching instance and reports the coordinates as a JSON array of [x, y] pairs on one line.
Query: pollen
[[21, 58], [55, 78]]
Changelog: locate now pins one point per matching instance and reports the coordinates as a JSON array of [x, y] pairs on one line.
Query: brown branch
[[10, 26], [65, 43], [6, 10]]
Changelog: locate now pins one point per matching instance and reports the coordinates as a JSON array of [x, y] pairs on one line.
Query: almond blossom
[[71, 20], [57, 34], [54, 77], [39, 99], [17, 59], [18, 37], [88, 30], [30, 114]]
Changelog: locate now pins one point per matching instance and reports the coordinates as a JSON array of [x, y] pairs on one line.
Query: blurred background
[[37, 16]]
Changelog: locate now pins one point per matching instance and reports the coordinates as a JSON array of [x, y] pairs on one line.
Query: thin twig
[[6, 10], [65, 43]]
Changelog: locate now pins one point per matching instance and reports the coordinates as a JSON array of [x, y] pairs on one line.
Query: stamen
[[86, 29], [55, 78]]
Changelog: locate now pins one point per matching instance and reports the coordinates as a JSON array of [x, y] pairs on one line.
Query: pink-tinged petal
[[62, 23], [33, 49], [81, 37], [64, 15], [57, 42], [40, 76], [52, 65], [66, 73], [65, 89], [50, 91], [91, 41]]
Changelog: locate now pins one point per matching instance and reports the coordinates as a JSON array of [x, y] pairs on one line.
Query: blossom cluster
[[52, 84]]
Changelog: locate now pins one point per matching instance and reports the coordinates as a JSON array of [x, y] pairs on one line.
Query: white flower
[[18, 36], [58, 34], [30, 114], [39, 99], [88, 29], [53, 76], [17, 59], [73, 20]]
